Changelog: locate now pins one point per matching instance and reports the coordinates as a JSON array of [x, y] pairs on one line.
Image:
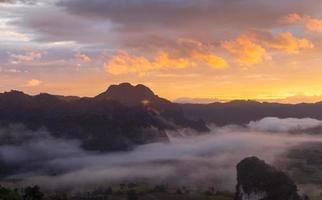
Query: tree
[[179, 191], [7, 194], [131, 195], [33, 193]]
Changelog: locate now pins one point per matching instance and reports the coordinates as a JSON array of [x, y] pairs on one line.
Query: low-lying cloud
[[273, 124], [195, 160]]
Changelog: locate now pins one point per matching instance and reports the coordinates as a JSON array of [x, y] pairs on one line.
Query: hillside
[[105, 122]]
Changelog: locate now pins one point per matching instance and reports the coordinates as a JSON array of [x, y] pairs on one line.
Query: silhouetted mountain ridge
[[242, 112], [125, 115], [130, 95], [102, 123]]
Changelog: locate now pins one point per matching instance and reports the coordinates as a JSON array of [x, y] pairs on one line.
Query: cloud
[[284, 41], [310, 23], [33, 83], [74, 20], [273, 124], [11, 35], [189, 53], [20, 1], [189, 159], [18, 144], [246, 51], [254, 47], [83, 57], [196, 100], [28, 56], [181, 14], [58, 26], [80, 59], [123, 63]]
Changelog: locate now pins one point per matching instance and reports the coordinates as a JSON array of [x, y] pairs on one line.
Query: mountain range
[[242, 112], [124, 115], [118, 119]]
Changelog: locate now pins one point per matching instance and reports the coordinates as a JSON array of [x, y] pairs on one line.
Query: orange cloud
[[246, 51], [33, 83], [123, 63], [253, 47], [189, 53], [199, 52], [284, 41], [310, 23]]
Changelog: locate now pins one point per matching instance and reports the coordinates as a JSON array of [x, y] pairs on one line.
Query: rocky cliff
[[257, 180]]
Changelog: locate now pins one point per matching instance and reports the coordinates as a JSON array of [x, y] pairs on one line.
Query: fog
[[189, 159]]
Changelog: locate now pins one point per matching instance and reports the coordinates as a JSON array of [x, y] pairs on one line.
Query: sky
[[190, 50]]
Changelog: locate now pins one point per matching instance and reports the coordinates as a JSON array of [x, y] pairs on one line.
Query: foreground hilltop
[[257, 180]]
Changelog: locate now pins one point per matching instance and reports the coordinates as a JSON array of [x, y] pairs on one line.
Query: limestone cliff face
[[257, 180]]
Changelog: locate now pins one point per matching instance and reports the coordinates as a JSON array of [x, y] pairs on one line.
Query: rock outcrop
[[257, 180]]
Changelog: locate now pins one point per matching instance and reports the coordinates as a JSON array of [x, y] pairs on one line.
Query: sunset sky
[[189, 49]]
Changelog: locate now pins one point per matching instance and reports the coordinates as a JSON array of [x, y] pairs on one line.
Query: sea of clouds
[[190, 158]]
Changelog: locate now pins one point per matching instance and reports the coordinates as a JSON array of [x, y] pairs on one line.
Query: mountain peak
[[15, 94], [128, 94]]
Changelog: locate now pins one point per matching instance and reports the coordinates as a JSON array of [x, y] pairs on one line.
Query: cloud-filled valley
[[190, 158], [160, 99]]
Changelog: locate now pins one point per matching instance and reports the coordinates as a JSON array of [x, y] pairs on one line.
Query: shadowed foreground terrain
[[256, 180]]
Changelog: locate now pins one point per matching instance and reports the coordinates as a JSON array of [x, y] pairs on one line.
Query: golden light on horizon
[[273, 57]]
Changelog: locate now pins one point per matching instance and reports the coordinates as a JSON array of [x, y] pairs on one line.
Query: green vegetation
[[29, 193], [304, 164], [130, 191]]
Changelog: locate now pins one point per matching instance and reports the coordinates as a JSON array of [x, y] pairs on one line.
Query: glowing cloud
[[33, 83], [123, 63], [246, 51], [284, 41], [310, 23], [188, 54], [253, 47]]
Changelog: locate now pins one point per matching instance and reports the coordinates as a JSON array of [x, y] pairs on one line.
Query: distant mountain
[[101, 124], [130, 95], [242, 112], [139, 95]]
